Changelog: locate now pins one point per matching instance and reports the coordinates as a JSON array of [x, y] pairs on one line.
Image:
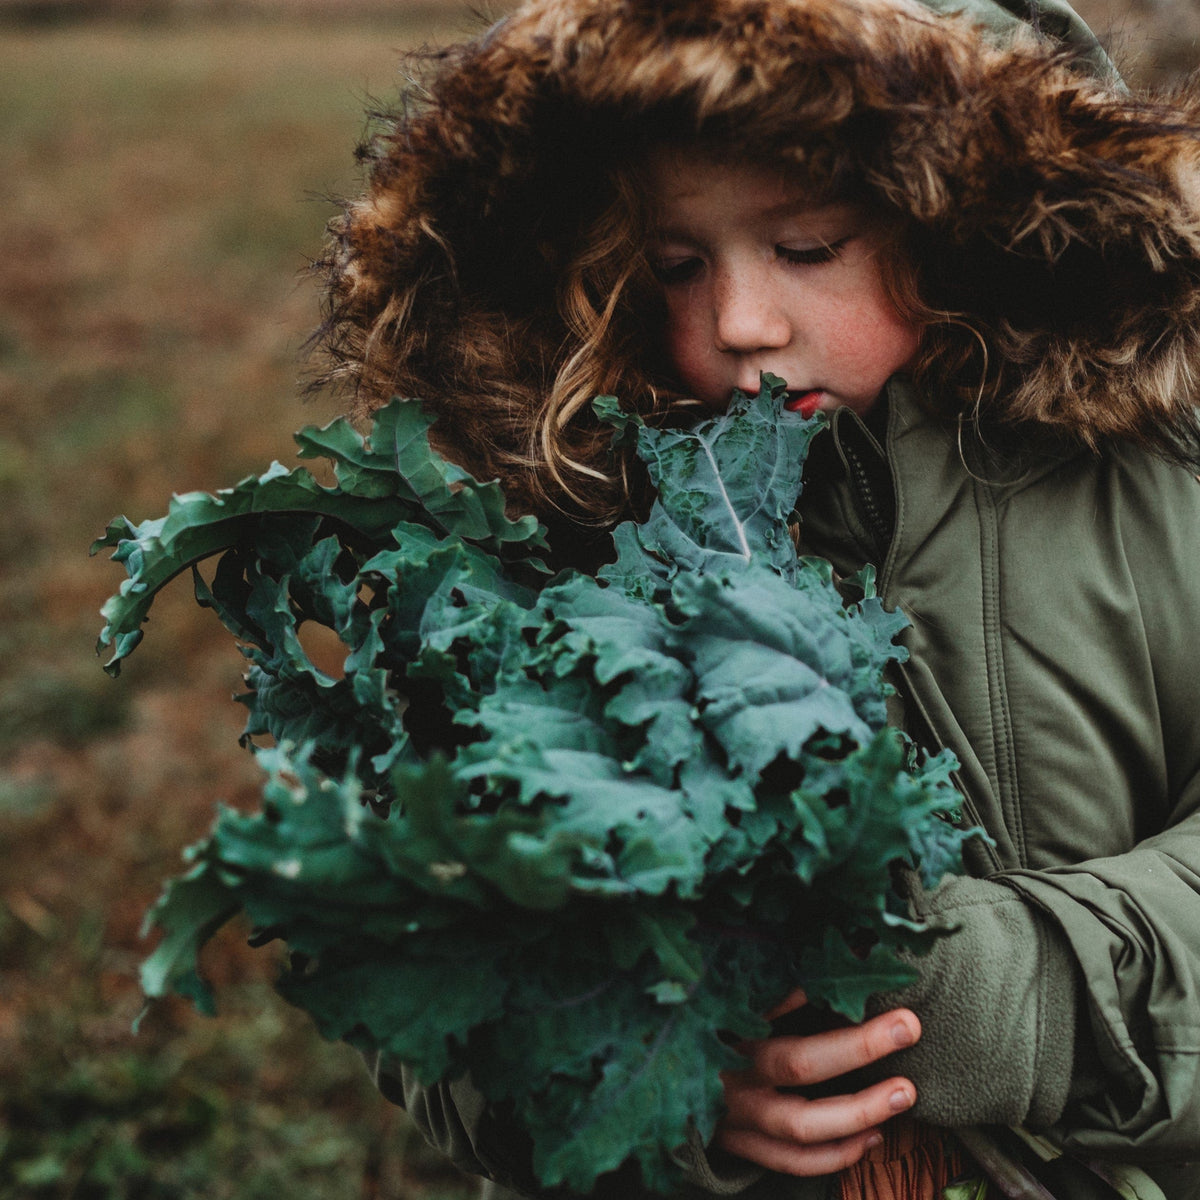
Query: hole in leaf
[[781, 775], [326, 651], [830, 746]]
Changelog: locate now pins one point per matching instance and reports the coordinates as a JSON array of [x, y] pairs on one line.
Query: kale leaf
[[569, 834]]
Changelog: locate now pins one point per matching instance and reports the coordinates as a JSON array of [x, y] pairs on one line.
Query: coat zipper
[[875, 521], [880, 529], [929, 741]]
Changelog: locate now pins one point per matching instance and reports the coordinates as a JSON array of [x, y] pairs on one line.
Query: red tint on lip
[[804, 403]]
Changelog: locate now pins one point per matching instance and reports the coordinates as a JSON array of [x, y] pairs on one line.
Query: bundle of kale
[[569, 834]]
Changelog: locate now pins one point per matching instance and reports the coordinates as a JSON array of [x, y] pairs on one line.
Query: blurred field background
[[165, 178]]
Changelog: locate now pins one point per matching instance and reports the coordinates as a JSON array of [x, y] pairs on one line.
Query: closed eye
[[676, 270], [811, 256]]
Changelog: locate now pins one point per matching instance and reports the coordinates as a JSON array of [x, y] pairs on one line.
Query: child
[[959, 236]]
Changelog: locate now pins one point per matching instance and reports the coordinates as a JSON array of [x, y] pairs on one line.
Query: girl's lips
[[804, 403]]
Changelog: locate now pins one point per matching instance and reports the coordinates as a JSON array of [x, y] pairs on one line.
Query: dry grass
[[1154, 42], [160, 199]]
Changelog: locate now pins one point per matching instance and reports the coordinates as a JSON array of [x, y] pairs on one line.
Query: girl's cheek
[[683, 342]]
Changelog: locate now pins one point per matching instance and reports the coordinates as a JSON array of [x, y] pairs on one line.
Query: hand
[[798, 1136]]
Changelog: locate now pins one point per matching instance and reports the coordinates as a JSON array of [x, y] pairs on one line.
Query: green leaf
[[570, 835], [771, 670], [726, 489], [199, 525], [389, 480], [836, 975], [395, 461], [610, 830], [191, 909], [967, 1189], [661, 1073], [416, 1002]]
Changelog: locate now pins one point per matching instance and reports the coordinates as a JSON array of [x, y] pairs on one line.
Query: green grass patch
[[190, 1121], [64, 706]]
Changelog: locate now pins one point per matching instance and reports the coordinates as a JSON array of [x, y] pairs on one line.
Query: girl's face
[[757, 278]]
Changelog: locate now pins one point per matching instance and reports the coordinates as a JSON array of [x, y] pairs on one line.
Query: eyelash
[[676, 273], [811, 258], [683, 271]]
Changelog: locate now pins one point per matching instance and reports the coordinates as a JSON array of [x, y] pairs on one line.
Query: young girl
[[960, 237]]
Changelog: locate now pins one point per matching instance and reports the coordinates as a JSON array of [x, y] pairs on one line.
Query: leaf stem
[[741, 533]]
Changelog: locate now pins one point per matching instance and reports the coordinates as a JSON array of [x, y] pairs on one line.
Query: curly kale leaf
[[569, 835], [726, 489], [383, 480]]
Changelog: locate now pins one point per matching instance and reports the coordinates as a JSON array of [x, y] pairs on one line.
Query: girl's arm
[[1068, 998]]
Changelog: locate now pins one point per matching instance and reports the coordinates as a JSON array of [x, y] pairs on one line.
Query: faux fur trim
[[1056, 218]]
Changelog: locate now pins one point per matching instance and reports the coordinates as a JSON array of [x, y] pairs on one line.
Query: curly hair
[[509, 354], [506, 340]]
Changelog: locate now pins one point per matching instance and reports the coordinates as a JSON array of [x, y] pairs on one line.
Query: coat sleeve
[[997, 999], [1132, 921], [1132, 924], [454, 1118], [1069, 997]]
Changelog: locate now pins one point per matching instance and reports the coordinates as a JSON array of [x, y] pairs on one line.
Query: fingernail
[[875, 1139], [901, 1035], [899, 1100]]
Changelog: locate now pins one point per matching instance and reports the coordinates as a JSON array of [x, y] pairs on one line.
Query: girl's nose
[[747, 317]]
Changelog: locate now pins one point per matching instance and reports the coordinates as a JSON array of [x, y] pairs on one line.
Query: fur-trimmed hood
[[1055, 218]]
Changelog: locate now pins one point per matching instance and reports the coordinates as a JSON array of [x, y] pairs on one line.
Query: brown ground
[[1153, 40], [160, 198]]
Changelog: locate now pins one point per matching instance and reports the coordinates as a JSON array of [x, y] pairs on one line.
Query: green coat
[[1055, 647], [1055, 608], [1054, 596]]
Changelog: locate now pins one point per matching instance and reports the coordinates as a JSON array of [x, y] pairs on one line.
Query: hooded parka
[[1031, 504]]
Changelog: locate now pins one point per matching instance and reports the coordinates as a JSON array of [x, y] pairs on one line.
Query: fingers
[[790, 1002], [798, 1061], [789, 1159], [795, 1135], [800, 1121]]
